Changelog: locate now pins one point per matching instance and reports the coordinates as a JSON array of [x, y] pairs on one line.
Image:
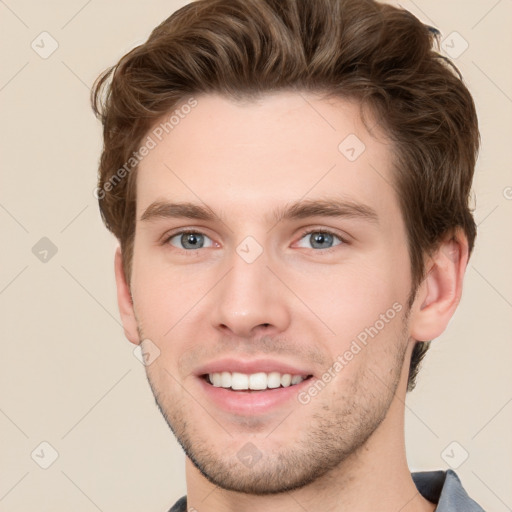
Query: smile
[[259, 381]]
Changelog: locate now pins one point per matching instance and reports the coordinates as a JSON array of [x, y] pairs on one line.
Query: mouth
[[260, 381], [251, 387]]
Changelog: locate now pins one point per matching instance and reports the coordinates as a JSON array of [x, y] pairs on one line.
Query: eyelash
[[302, 235]]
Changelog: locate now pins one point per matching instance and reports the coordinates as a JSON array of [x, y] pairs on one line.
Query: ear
[[124, 301], [439, 294]]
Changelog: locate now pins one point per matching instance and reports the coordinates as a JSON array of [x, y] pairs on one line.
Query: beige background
[[69, 378]]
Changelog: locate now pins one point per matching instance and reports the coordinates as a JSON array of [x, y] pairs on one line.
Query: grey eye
[[189, 240]]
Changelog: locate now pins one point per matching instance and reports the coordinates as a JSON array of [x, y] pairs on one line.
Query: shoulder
[[180, 505], [445, 489]]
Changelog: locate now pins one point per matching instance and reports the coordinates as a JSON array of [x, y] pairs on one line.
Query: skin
[[297, 303]]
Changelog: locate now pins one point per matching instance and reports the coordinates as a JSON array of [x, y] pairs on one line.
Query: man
[[289, 182]]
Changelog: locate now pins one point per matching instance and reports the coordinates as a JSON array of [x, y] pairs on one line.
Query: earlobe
[[124, 301], [441, 290]]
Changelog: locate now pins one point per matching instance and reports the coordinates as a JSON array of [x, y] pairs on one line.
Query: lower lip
[[251, 402]]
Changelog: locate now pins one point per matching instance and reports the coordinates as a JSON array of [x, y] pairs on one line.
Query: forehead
[[259, 154]]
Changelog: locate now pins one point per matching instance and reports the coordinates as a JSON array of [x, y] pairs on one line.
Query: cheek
[[354, 297], [162, 294], [366, 314]]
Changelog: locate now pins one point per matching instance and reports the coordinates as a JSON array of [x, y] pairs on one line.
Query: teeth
[[239, 381], [296, 379], [273, 380], [286, 380], [254, 381], [258, 381], [225, 379], [216, 379]]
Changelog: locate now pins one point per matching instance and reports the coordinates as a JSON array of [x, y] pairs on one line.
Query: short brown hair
[[378, 54]]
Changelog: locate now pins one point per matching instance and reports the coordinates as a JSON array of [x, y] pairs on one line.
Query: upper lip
[[249, 366]]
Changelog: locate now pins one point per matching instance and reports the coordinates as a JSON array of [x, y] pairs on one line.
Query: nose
[[250, 300]]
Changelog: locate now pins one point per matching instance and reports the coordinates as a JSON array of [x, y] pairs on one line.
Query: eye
[[189, 240], [321, 239]]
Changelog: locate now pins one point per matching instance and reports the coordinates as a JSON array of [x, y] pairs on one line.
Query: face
[[280, 315]]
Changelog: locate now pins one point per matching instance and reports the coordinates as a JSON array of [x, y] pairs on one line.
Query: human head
[[377, 54]]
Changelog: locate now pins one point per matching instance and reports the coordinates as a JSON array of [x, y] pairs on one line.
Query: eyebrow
[[330, 207]]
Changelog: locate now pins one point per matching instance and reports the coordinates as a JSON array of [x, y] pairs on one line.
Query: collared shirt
[[441, 487], [445, 489]]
